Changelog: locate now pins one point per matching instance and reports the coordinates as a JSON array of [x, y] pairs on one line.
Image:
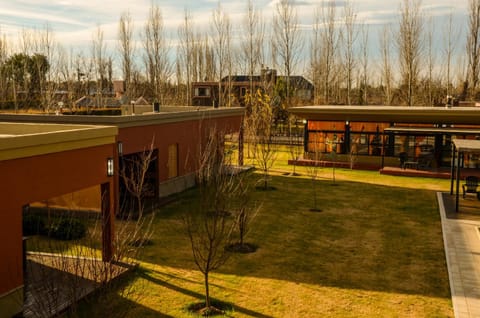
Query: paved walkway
[[461, 237]]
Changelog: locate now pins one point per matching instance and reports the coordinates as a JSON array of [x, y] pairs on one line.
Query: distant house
[[92, 101], [137, 106], [207, 93]]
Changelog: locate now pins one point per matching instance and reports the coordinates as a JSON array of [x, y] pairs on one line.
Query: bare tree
[[4, 47], [333, 154], [67, 75], [221, 37], [64, 272], [295, 146], [252, 56], [44, 68], [133, 174], [159, 67], [409, 41], [245, 216], [313, 169], [315, 56], [364, 61], [209, 226], [287, 39], [450, 35], [350, 34], [329, 40], [187, 52], [473, 45], [100, 63], [252, 42], [430, 98], [262, 123], [386, 65], [126, 46]]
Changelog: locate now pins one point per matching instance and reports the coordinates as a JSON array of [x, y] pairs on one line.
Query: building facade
[[40, 161], [47, 156], [383, 135]]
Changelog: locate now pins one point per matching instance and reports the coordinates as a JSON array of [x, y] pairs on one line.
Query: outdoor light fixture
[[110, 167], [304, 121], [120, 148]]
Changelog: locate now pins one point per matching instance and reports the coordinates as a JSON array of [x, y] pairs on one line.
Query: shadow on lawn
[[368, 237], [145, 275], [117, 300]]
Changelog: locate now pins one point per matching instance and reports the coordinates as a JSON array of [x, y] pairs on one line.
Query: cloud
[[29, 17], [74, 21]]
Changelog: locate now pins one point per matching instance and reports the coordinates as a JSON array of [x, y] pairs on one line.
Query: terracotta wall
[[38, 178], [189, 135]]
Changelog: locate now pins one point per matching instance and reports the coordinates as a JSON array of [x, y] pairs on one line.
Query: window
[[202, 91], [243, 91], [172, 163]]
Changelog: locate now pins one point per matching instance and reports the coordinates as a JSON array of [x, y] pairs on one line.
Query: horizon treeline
[[409, 68]]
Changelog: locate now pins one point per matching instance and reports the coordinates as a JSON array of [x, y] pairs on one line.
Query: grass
[[281, 167], [376, 249]]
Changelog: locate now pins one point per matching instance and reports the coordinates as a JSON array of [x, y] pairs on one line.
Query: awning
[[467, 145], [460, 147], [391, 114], [431, 130]]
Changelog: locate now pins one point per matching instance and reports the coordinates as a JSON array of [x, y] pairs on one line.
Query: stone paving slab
[[461, 238]]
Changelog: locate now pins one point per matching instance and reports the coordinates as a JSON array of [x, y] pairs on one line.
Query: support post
[[383, 149], [459, 157], [108, 215], [452, 169], [305, 137]]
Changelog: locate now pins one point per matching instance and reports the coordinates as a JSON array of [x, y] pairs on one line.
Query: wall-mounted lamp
[[304, 121], [347, 122], [120, 148], [110, 167]]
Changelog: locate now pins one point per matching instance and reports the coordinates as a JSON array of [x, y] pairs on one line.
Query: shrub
[[68, 229], [33, 225]]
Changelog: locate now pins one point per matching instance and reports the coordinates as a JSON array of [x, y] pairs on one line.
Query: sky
[[74, 22]]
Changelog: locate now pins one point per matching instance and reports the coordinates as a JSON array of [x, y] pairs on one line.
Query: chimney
[[119, 88]]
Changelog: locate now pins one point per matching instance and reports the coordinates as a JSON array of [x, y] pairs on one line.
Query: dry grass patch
[[374, 250]]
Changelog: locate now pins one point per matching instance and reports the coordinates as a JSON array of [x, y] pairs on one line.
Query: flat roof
[[166, 115], [19, 140], [424, 130], [467, 145], [390, 114]]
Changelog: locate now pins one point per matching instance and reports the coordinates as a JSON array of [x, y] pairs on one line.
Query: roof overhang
[[391, 114], [431, 131], [20, 140], [467, 145]]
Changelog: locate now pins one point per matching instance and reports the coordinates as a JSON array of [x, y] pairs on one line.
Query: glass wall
[[428, 150]]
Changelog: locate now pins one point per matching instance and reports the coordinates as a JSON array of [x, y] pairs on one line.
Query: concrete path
[[462, 249]]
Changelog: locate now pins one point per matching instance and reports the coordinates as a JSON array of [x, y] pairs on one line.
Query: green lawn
[[375, 250]]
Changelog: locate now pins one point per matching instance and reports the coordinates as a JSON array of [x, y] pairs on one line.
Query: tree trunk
[[242, 230], [265, 176], [207, 291]]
